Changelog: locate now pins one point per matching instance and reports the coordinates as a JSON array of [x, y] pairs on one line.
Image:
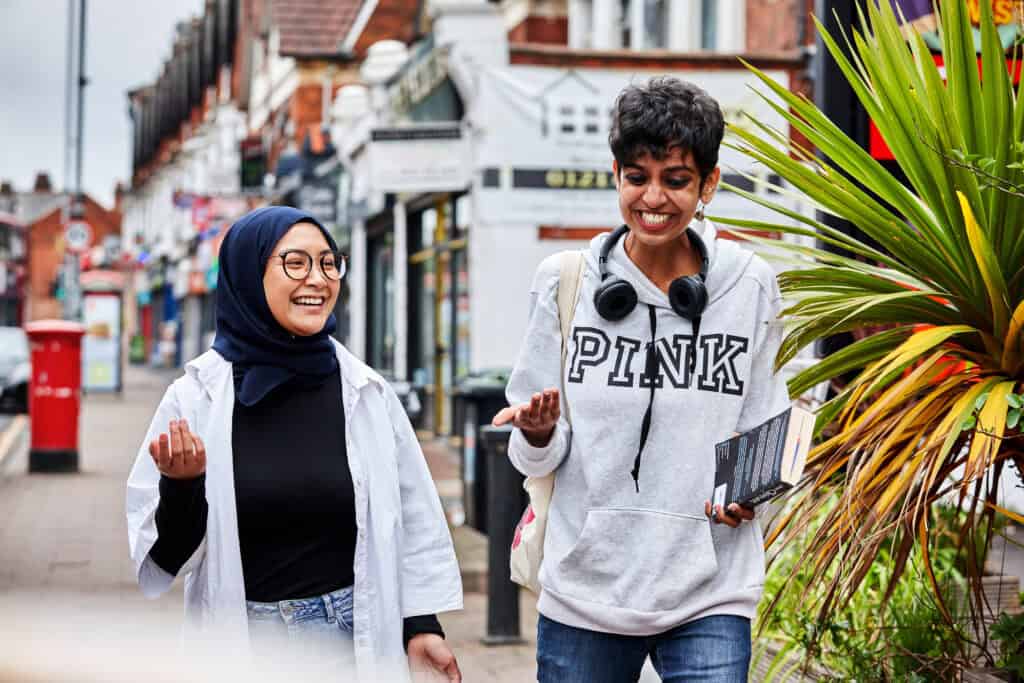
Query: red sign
[[77, 236], [876, 144]]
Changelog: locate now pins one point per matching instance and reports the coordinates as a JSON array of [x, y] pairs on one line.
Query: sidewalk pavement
[[64, 565]]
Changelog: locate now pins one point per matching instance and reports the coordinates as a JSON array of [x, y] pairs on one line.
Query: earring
[[699, 214]]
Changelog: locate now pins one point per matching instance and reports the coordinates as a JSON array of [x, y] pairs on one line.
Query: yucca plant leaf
[[936, 299], [988, 431], [853, 357], [988, 264], [1009, 514], [1013, 344]]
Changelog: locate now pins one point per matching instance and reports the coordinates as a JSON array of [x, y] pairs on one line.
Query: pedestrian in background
[[281, 477], [671, 349]]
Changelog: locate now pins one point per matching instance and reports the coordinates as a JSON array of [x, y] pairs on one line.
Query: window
[[592, 120], [679, 25], [644, 24], [566, 119], [581, 119], [708, 24], [655, 24]]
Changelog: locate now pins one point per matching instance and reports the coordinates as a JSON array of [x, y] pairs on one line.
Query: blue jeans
[[714, 649], [314, 634]]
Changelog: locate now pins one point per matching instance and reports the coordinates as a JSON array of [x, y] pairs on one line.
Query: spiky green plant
[[944, 278]]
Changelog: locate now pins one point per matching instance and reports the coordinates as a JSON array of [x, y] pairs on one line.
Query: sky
[[127, 42]]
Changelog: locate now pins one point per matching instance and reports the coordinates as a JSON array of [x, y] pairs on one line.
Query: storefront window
[[439, 310], [381, 309]]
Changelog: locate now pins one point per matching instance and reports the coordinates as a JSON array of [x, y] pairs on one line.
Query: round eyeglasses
[[298, 264]]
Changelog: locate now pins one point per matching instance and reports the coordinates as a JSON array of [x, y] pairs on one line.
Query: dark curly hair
[[665, 113]]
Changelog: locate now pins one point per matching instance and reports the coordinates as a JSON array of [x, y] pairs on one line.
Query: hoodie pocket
[[643, 560]]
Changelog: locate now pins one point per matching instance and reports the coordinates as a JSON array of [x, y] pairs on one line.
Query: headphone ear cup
[[615, 300], [688, 296]]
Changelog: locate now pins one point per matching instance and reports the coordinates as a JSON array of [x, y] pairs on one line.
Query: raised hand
[[178, 454], [536, 419]]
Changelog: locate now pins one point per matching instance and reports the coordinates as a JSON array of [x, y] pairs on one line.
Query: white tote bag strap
[[569, 285]]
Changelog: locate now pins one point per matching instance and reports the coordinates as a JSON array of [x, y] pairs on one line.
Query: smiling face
[[300, 306], [658, 197]]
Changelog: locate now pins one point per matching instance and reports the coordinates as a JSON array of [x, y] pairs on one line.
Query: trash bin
[[55, 394], [478, 396]]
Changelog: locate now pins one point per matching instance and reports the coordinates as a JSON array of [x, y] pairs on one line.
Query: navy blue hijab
[[263, 353]]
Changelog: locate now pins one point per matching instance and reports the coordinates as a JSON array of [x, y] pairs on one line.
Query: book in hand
[[756, 466]]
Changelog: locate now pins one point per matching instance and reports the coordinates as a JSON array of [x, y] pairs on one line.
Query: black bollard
[[505, 502]]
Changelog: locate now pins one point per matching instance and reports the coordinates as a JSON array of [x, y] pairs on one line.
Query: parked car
[[15, 369]]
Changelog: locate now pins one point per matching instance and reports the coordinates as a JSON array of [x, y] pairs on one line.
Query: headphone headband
[[617, 233], [606, 249]]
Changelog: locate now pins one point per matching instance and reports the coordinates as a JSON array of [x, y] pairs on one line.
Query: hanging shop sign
[[421, 157], [921, 17], [419, 80], [253, 164], [319, 198]]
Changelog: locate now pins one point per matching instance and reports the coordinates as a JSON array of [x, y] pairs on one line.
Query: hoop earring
[[699, 214]]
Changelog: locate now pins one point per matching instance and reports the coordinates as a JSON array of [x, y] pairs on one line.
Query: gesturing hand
[[179, 454], [536, 419], [430, 659]]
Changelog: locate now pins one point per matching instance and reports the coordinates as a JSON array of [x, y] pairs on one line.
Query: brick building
[[46, 250]]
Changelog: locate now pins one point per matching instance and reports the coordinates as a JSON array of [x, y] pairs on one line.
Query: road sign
[[78, 236]]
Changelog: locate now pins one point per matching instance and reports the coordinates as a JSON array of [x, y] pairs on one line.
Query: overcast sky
[[127, 41]]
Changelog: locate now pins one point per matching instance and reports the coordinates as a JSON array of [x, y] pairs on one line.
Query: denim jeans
[[714, 649], [311, 634]]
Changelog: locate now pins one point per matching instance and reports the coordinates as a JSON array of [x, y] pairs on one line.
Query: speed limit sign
[[78, 236]]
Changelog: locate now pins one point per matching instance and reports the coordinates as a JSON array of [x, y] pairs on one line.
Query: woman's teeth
[[310, 300], [653, 218]]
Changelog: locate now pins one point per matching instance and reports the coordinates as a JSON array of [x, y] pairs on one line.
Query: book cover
[[756, 466]]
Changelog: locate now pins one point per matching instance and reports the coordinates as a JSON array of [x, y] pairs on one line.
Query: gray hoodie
[[641, 563]]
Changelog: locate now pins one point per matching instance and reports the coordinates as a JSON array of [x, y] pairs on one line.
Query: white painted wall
[[502, 262]]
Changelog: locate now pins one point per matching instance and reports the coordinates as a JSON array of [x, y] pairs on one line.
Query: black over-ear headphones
[[687, 295]]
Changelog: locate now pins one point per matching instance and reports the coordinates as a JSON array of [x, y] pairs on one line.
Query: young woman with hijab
[[281, 477], [671, 350]]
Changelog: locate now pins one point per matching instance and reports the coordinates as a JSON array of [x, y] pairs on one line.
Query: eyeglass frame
[[340, 256]]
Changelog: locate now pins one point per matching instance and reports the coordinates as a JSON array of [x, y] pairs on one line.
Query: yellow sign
[[1002, 11]]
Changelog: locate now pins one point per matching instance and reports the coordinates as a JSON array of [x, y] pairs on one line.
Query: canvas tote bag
[[528, 542]]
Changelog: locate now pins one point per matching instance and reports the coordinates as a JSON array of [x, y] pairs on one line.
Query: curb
[[12, 437]]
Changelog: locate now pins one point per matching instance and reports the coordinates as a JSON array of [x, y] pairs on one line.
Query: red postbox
[[54, 394]]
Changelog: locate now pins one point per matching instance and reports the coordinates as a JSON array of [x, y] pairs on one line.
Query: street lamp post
[[76, 211]]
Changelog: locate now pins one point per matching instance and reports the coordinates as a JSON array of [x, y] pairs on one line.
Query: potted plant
[[934, 410]]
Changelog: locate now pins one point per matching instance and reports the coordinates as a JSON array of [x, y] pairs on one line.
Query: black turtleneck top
[[294, 498]]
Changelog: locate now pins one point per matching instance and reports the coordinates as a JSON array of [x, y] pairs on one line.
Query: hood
[[727, 262]]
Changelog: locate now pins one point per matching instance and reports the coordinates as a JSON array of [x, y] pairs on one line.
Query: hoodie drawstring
[[651, 370]]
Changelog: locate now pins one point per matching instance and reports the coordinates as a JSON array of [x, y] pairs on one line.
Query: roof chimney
[[42, 183], [119, 197]]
